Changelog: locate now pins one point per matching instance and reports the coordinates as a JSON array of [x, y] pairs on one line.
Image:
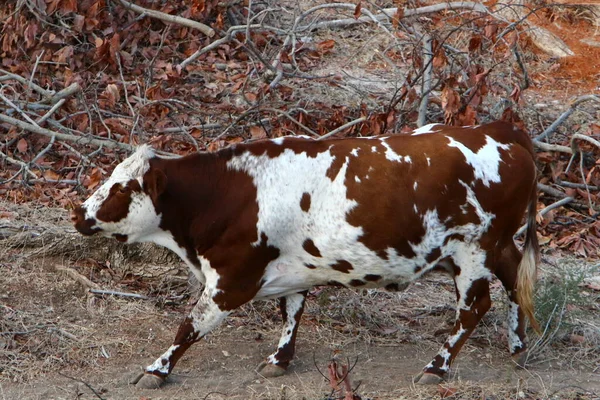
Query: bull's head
[[124, 207]]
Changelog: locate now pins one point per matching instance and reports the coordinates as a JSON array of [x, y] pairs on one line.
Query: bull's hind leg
[[277, 363], [203, 318], [473, 301], [506, 270]]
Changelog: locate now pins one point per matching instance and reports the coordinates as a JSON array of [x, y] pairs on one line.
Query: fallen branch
[[226, 39], [76, 276], [64, 333], [66, 92], [546, 210], [85, 383], [566, 114], [50, 96], [583, 137], [63, 136], [288, 116], [9, 75], [341, 128], [551, 191], [174, 19], [428, 65], [552, 147], [576, 185], [24, 167], [388, 13], [122, 294]]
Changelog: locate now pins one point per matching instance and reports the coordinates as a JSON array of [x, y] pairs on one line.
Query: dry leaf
[[22, 146], [357, 10], [257, 132], [446, 391]]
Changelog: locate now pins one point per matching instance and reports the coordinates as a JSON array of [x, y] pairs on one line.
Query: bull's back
[[346, 209]]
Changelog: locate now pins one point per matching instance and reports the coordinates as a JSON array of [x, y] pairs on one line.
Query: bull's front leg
[[204, 317], [277, 363]]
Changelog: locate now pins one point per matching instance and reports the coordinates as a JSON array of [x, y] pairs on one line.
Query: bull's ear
[[155, 183]]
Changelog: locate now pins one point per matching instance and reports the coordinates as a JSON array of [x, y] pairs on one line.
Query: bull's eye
[[122, 190]]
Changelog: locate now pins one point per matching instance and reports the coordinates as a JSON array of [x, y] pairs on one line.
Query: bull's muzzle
[[83, 225]]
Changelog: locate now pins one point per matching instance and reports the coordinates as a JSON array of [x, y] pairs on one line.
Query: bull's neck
[[204, 202]]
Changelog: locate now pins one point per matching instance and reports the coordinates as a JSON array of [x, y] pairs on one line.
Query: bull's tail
[[527, 272]]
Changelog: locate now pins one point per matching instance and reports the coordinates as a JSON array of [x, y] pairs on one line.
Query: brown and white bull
[[272, 219]]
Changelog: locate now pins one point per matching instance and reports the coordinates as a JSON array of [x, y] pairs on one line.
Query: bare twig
[[575, 185], [24, 167], [84, 157], [428, 66], [37, 62], [341, 128], [51, 111], [288, 116], [177, 129], [221, 41], [566, 114], [174, 19], [44, 151], [65, 333], [13, 105], [122, 294], [545, 211], [388, 13], [551, 191], [9, 75], [85, 383], [71, 273], [63, 136], [66, 92], [584, 137], [552, 147]]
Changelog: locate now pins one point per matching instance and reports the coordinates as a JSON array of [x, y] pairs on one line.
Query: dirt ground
[[58, 341], [61, 342]]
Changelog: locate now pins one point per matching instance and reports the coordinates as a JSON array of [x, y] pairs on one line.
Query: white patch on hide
[[425, 129], [486, 162]]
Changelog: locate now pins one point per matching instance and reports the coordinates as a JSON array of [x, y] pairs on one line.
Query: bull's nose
[[85, 226]]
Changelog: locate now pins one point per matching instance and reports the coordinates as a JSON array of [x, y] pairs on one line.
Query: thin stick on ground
[[64, 136], [341, 128], [174, 19], [546, 210], [388, 13], [24, 167], [85, 383], [427, 58], [122, 294], [76, 276], [572, 107]]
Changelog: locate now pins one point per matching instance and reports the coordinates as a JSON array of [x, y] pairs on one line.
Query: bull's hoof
[[269, 370], [427, 378], [149, 381], [520, 359]]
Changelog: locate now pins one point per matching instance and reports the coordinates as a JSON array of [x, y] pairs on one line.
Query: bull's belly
[[283, 276]]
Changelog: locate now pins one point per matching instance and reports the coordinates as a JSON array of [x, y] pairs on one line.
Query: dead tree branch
[[122, 294], [552, 147], [173, 19], [341, 128], [64, 136], [76, 276], [546, 210], [585, 138], [428, 66], [572, 107], [388, 13]]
